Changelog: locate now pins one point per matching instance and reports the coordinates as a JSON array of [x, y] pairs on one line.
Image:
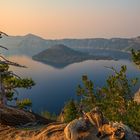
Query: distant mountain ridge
[[31, 44]]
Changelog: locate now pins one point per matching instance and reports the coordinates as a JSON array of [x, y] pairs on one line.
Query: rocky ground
[[16, 124], [51, 132]]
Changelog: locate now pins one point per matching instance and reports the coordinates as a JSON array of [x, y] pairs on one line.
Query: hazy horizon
[[22, 35], [54, 19]]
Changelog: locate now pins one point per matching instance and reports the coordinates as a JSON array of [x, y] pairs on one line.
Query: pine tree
[[9, 82], [136, 57], [87, 94], [70, 111], [114, 99]]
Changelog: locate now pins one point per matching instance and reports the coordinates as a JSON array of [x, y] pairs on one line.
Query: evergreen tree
[[117, 96], [9, 82], [70, 111], [48, 115], [114, 99], [86, 91], [136, 57]]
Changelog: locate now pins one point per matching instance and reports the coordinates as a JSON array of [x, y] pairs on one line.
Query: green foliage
[[24, 103], [86, 91], [131, 118], [114, 99], [70, 111], [136, 57], [116, 94], [18, 82], [134, 109], [48, 115], [3, 67], [10, 82]]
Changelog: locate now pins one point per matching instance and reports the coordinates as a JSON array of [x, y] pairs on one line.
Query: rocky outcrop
[[55, 131], [78, 129], [17, 117], [71, 130]]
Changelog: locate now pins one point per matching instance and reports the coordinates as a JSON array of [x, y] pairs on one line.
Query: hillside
[[27, 45], [120, 44], [24, 44], [60, 56]]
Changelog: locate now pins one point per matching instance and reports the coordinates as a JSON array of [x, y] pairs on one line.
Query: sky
[[55, 19]]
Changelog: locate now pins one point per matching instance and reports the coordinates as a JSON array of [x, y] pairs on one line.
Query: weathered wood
[[17, 117]]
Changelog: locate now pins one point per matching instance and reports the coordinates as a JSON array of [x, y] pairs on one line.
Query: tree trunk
[[3, 99]]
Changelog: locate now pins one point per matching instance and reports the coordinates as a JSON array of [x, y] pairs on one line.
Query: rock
[[109, 130], [123, 131], [17, 117], [75, 130], [54, 131], [96, 117], [71, 130]]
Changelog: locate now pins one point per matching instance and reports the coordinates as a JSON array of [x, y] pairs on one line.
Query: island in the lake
[[60, 56]]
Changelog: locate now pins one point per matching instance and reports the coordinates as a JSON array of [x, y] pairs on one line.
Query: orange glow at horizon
[[48, 20]]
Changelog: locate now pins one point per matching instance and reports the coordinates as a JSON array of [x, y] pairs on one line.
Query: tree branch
[[10, 62]]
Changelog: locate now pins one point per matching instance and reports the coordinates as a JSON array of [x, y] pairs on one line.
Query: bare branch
[[10, 73], [2, 33], [10, 62], [3, 47], [111, 68], [15, 75]]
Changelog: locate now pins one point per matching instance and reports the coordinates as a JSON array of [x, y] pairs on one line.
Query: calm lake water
[[56, 86]]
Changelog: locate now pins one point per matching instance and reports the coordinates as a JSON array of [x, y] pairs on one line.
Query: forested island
[[61, 56]]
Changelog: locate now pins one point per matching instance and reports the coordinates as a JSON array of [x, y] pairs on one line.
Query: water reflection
[[55, 86]]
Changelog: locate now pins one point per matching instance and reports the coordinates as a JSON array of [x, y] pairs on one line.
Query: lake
[[56, 86]]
